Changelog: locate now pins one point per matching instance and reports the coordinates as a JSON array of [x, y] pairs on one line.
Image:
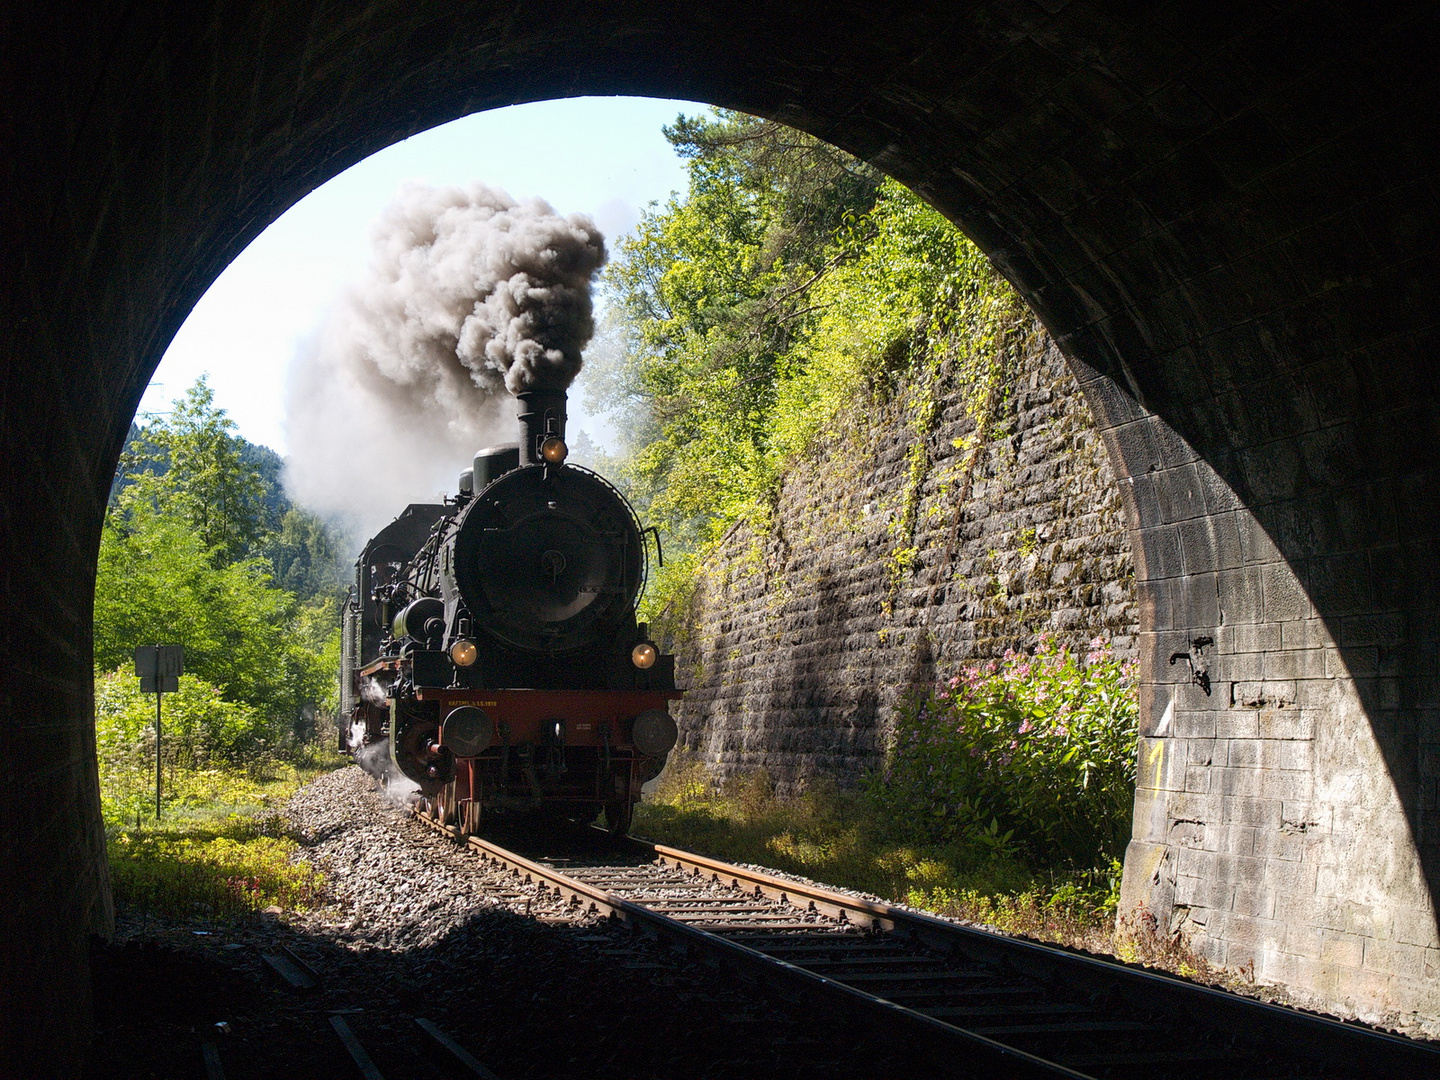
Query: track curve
[[990, 1004]]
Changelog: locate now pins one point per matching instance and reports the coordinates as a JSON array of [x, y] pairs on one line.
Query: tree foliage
[[708, 294], [189, 556], [789, 286], [158, 582], [191, 463], [1031, 754]]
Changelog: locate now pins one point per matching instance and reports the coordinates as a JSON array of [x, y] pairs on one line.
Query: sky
[[605, 157]]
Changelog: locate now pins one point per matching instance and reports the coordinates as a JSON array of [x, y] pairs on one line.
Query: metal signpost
[[159, 668]]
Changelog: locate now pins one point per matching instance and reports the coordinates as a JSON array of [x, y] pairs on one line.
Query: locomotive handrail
[[654, 531]]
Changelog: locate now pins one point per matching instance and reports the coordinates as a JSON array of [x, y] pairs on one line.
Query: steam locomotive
[[490, 649]]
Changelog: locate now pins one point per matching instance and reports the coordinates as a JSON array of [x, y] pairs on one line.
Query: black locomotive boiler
[[490, 650]]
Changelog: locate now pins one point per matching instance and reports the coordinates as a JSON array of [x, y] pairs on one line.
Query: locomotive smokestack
[[542, 414], [470, 297]]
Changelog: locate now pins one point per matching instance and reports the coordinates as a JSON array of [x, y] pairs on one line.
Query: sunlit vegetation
[[767, 311], [220, 852], [836, 837], [197, 540], [193, 542], [1005, 799], [1032, 756]]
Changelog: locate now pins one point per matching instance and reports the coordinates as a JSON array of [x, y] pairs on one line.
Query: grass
[[221, 851], [836, 837]]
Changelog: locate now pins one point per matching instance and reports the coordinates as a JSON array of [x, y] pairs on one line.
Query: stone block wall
[[884, 569], [1271, 829]]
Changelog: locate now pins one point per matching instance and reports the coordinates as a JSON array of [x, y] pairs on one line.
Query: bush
[[842, 838], [199, 728], [222, 849], [156, 581], [1033, 755], [217, 873]]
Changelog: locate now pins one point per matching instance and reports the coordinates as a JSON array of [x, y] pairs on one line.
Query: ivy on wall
[[770, 311]]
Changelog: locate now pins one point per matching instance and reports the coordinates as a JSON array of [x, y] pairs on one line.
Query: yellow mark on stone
[[1156, 760]]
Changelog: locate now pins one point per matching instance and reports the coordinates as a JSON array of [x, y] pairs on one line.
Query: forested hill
[[307, 555], [202, 548]]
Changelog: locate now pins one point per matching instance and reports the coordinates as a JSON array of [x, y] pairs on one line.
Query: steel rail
[[1293, 1029], [984, 1053], [1305, 1035]]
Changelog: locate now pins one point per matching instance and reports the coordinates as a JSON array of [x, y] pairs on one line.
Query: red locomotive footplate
[[585, 712]]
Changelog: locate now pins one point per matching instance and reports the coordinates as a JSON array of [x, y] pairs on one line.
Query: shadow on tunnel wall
[[773, 690], [806, 694], [1286, 556]]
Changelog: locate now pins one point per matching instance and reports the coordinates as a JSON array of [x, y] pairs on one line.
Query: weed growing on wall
[[1031, 756]]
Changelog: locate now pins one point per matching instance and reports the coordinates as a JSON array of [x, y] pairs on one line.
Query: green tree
[[192, 463], [157, 581], [307, 556], [788, 289], [709, 294]]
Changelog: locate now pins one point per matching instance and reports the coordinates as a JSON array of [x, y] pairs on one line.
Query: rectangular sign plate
[[151, 660]]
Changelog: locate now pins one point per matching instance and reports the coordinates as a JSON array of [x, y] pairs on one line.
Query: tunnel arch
[[1227, 221]]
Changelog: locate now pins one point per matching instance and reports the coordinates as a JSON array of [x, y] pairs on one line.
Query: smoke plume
[[470, 297], [374, 758]]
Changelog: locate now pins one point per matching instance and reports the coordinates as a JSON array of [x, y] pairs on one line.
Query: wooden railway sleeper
[[1023, 975]]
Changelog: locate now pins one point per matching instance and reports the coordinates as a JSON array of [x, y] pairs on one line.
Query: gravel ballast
[[413, 925]]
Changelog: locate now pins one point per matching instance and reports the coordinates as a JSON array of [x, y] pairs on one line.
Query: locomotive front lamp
[[464, 653], [554, 450], [643, 656]]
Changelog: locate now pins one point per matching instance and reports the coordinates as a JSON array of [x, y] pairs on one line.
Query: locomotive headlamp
[[643, 656], [554, 450], [464, 653]]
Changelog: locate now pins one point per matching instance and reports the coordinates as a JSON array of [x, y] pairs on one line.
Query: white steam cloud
[[469, 294]]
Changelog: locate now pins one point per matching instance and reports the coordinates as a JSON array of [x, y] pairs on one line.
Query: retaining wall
[[883, 570]]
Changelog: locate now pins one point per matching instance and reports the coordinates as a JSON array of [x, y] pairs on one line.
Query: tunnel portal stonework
[[796, 642], [1269, 826], [1226, 217]]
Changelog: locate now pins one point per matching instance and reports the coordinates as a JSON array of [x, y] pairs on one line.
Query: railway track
[[299, 975], [988, 1004]]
